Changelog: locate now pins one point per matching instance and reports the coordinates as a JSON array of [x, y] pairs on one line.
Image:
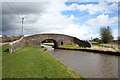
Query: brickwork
[[59, 39]]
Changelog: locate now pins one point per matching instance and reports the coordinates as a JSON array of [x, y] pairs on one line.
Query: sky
[[79, 19]]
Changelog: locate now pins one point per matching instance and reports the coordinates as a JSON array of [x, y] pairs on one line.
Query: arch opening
[[61, 43], [50, 42]]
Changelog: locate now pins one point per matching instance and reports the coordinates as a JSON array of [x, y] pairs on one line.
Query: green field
[[33, 62]]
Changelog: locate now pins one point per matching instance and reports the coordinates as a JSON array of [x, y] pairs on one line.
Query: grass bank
[[33, 62], [73, 47], [100, 45]]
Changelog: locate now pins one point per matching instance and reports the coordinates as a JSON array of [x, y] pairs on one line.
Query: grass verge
[[100, 45], [33, 62]]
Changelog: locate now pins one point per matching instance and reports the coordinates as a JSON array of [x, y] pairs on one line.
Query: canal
[[88, 65]]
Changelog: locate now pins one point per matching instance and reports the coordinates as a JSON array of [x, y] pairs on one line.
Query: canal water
[[88, 65]]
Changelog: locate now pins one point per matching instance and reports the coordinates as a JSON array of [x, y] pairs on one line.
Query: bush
[[96, 39]]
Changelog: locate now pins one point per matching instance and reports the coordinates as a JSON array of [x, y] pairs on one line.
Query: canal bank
[[87, 64], [93, 50]]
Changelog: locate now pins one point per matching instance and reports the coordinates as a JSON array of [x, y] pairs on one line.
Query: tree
[[106, 34]]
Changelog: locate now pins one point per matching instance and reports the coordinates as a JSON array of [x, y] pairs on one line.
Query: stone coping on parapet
[[16, 40], [50, 34]]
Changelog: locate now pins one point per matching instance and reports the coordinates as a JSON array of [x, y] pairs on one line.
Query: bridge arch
[[51, 41]]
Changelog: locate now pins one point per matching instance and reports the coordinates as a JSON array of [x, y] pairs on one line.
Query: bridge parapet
[[59, 39], [16, 45]]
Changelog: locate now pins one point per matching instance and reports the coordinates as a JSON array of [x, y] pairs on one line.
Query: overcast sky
[[79, 19]]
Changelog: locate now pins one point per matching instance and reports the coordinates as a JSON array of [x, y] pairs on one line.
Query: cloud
[[11, 23], [101, 7], [82, 32], [92, 0], [46, 17], [22, 8], [112, 0], [72, 17], [101, 20], [39, 17], [63, 0], [48, 22], [36, 0], [115, 34]]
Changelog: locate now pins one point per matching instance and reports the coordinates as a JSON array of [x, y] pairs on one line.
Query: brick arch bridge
[[58, 39]]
